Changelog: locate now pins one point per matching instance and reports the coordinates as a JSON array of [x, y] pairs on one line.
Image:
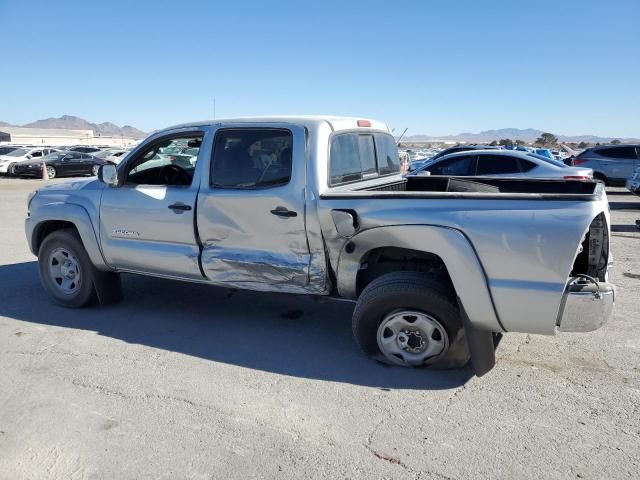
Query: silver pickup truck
[[437, 266]]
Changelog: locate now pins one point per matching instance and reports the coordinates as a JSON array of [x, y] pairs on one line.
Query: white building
[[59, 136]]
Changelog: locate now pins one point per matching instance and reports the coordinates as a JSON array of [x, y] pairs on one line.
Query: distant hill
[[527, 135], [77, 123]]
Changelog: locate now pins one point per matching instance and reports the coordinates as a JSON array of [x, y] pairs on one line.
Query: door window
[[618, 152], [251, 158], [497, 164], [35, 154], [169, 161], [457, 166]]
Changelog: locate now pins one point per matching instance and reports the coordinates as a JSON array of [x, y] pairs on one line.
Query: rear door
[[251, 209], [618, 162], [71, 163]]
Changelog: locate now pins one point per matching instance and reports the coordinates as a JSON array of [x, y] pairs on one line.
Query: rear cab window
[[356, 156]]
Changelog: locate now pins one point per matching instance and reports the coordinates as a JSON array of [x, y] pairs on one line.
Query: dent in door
[[276, 271]]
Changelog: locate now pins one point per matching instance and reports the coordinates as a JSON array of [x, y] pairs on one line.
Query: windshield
[[552, 161], [21, 152]]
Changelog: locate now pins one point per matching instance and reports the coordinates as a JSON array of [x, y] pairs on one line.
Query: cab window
[[251, 158], [170, 162]]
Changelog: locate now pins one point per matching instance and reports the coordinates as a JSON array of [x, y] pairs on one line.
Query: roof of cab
[[335, 122]]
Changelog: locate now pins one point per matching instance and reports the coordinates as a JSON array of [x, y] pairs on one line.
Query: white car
[[25, 153], [113, 155], [502, 163]]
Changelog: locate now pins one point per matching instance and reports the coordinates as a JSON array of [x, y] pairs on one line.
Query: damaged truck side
[[437, 266]]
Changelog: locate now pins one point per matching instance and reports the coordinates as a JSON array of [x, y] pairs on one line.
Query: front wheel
[[51, 171], [94, 170], [411, 320], [65, 269]]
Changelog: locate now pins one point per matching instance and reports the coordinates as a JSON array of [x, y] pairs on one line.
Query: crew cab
[[437, 266]]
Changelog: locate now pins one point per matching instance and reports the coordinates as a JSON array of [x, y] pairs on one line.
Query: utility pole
[[214, 108]]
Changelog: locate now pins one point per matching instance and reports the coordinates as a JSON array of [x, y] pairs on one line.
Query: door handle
[[284, 212], [179, 207]]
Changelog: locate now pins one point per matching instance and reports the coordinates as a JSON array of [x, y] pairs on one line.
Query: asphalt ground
[[190, 381]]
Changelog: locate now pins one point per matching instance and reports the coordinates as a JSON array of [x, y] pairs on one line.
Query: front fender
[[75, 214], [455, 250]]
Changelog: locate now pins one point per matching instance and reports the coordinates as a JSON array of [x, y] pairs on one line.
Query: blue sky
[[437, 67]]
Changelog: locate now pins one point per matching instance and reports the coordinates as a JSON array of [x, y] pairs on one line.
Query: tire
[[51, 171], [602, 178], [94, 170], [394, 294], [11, 170], [61, 260]]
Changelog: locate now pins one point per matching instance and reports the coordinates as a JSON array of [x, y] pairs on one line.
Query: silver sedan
[[502, 163]]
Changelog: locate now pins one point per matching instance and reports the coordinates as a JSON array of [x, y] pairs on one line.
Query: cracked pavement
[[188, 381]]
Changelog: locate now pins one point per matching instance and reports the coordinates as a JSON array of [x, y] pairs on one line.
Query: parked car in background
[[60, 164], [463, 148], [633, 184], [8, 161], [113, 155], [84, 149], [116, 156], [612, 164], [502, 163], [544, 152], [4, 149]]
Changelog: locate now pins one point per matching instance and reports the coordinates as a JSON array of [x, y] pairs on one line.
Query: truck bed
[[478, 187]]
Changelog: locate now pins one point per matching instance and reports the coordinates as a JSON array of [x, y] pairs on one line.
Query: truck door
[[147, 221], [251, 209]]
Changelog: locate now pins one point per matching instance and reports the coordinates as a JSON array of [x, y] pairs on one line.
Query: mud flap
[[481, 345], [108, 286]]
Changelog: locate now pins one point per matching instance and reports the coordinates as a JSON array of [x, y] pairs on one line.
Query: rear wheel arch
[[447, 247], [601, 176], [383, 260]]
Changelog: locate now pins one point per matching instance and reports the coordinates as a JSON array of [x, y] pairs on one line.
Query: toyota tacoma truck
[[437, 266]]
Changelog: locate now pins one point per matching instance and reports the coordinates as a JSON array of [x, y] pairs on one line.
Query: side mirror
[[108, 174], [29, 157]]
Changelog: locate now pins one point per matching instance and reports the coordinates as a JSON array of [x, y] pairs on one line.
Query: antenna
[[400, 137]]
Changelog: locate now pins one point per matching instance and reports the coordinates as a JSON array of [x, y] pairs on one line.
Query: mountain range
[[77, 123], [528, 135]]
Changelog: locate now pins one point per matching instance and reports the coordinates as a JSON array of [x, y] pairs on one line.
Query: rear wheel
[[65, 269], [51, 171], [600, 177], [94, 170], [409, 319], [11, 169]]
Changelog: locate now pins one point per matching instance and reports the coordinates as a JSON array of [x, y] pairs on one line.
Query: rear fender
[[455, 250]]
